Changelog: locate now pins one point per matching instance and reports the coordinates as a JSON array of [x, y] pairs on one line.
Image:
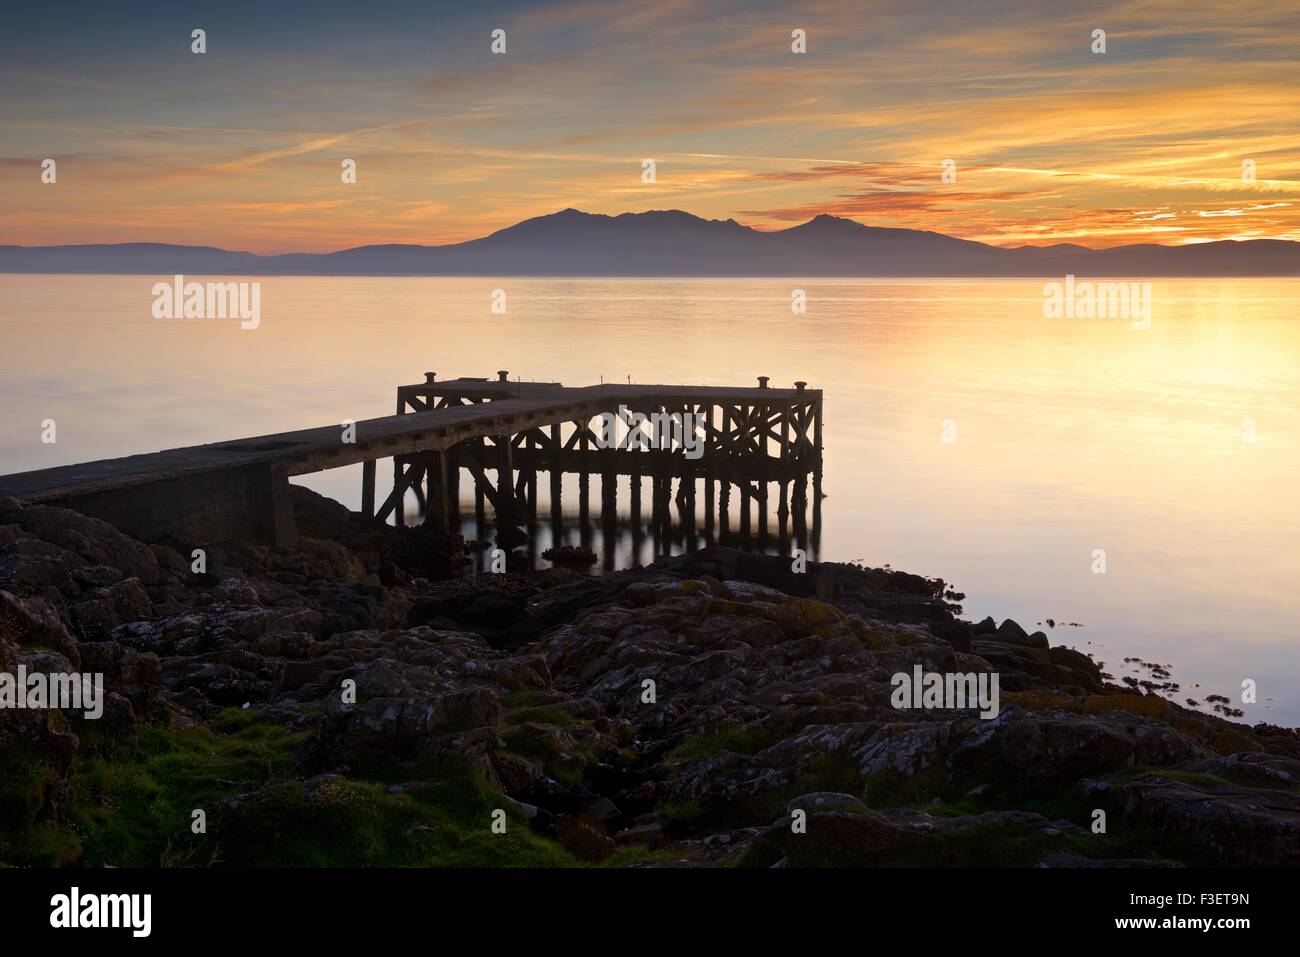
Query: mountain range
[[675, 243]]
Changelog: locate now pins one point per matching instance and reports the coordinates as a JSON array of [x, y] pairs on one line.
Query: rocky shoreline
[[337, 704]]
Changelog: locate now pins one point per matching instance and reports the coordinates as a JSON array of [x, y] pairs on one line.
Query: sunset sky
[[241, 147]]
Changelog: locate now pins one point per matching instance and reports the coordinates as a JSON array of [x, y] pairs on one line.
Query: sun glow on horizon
[[241, 147]]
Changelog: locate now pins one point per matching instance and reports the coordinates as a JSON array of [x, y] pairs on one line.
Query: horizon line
[[647, 212]]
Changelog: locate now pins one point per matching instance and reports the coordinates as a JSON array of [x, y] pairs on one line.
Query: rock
[[536, 683], [1251, 767], [602, 809], [826, 801], [570, 556], [839, 827], [235, 591], [93, 541], [34, 623], [1238, 825], [1056, 746], [517, 774], [650, 835], [1010, 631], [956, 633], [905, 750], [1058, 859]]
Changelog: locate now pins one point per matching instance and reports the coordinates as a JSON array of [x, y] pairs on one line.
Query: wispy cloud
[[241, 146]]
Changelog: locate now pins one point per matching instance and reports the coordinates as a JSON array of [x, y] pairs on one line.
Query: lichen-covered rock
[[34, 623], [1239, 825], [1058, 746]]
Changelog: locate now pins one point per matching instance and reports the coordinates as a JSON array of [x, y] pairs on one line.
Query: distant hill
[[674, 243]]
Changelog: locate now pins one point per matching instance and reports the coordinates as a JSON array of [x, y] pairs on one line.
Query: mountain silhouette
[[675, 243]]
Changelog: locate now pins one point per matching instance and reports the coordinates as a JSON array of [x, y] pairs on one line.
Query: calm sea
[[1172, 448]]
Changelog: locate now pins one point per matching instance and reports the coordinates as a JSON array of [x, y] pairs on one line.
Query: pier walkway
[[238, 490]]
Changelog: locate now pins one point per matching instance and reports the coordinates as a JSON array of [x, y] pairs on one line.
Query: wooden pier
[[499, 434]]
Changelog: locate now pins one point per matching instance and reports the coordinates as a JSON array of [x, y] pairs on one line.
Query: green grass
[[734, 738], [688, 812], [23, 782], [543, 715], [346, 823], [995, 844], [567, 767], [132, 807]]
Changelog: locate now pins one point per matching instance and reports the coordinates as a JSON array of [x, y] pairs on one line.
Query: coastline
[[526, 693]]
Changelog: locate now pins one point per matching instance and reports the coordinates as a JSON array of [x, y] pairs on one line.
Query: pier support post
[[505, 482], [368, 489], [584, 484], [746, 500], [436, 511], [783, 520], [453, 488], [557, 486], [399, 489], [272, 507]]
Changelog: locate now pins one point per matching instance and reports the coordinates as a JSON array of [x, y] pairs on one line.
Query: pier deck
[[238, 489]]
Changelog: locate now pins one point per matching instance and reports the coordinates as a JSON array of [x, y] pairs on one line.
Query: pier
[[758, 445]]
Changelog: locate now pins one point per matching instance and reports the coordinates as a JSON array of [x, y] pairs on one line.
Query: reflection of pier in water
[[759, 447]]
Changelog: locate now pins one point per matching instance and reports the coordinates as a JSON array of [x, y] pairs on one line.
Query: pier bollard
[[429, 377], [503, 375], [799, 386], [762, 381]]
